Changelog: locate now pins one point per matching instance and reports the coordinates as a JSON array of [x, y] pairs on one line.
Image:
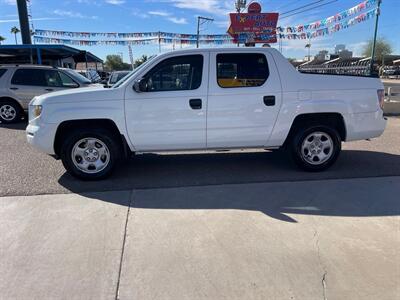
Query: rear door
[[170, 112], [244, 99]]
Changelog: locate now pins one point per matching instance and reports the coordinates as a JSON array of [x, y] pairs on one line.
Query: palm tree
[[2, 38], [15, 31]]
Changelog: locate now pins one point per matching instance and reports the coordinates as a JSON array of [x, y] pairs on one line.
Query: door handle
[[195, 103], [13, 88], [269, 100], [49, 90]]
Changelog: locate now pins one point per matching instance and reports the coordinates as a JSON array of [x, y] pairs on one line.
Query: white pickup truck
[[207, 99]]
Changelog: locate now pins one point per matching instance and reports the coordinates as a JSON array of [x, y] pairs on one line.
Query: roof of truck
[[225, 49]]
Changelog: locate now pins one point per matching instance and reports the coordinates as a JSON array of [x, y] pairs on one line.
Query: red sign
[[254, 27], [254, 8], [253, 22]]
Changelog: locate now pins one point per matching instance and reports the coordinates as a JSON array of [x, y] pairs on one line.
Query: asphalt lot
[[26, 171]]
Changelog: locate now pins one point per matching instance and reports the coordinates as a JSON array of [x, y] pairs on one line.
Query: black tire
[[299, 155], [103, 135], [7, 106]]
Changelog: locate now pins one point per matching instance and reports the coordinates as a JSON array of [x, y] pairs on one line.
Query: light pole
[[378, 12], [24, 22], [201, 21]]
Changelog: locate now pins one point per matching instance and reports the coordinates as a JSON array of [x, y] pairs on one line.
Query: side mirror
[[140, 86]]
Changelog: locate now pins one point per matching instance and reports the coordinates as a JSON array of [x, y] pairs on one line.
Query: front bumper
[[41, 136]]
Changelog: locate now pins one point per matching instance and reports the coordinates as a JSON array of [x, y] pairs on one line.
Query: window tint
[[176, 74], [67, 81], [42, 77], [52, 78], [29, 77], [241, 70], [2, 71]]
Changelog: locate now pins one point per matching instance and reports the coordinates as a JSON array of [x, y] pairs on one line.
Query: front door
[[168, 112], [243, 101]]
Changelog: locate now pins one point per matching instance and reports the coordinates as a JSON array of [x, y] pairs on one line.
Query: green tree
[[140, 60], [15, 31], [2, 38], [114, 63], [382, 48]]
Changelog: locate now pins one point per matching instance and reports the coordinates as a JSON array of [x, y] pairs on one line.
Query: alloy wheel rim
[[317, 148], [7, 112], [90, 155]]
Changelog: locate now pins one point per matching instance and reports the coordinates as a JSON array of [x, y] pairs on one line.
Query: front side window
[[241, 70], [67, 81], [175, 74], [52, 78]]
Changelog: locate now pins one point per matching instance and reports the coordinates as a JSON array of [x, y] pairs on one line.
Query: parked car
[[116, 76], [209, 99], [20, 83]]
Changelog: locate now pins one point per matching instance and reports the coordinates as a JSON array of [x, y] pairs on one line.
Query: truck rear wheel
[[90, 154], [316, 148]]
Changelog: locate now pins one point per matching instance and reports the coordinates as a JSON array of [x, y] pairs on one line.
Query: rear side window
[[241, 70], [29, 77], [42, 77], [2, 71]]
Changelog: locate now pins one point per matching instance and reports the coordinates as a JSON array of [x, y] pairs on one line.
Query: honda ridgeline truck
[[207, 99]]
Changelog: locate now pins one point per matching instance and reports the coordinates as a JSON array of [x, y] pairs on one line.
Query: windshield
[[115, 77], [119, 83], [77, 76]]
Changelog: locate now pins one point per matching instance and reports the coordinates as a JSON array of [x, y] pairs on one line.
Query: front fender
[[112, 110]]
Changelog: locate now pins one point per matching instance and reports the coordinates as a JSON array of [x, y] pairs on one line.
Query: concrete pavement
[[331, 239], [61, 246]]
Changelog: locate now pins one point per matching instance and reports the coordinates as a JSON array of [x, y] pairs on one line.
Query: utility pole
[[159, 42], [378, 12], [24, 22], [201, 21], [309, 48], [131, 56]]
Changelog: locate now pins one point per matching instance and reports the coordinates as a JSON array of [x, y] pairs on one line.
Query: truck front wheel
[[316, 148], [90, 154]]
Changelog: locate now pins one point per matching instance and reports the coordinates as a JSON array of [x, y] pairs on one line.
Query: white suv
[[20, 83]]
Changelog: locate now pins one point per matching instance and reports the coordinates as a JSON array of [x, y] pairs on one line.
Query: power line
[[286, 5], [300, 7], [308, 9]]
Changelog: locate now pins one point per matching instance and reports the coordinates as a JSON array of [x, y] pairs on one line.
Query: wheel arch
[[331, 119], [67, 126], [6, 98]]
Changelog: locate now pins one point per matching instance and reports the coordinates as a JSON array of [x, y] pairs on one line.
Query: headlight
[[36, 111]]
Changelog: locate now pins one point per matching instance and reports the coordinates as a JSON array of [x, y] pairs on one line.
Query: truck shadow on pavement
[[264, 182]]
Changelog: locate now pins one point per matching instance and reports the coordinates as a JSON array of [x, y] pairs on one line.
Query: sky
[[180, 16]]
